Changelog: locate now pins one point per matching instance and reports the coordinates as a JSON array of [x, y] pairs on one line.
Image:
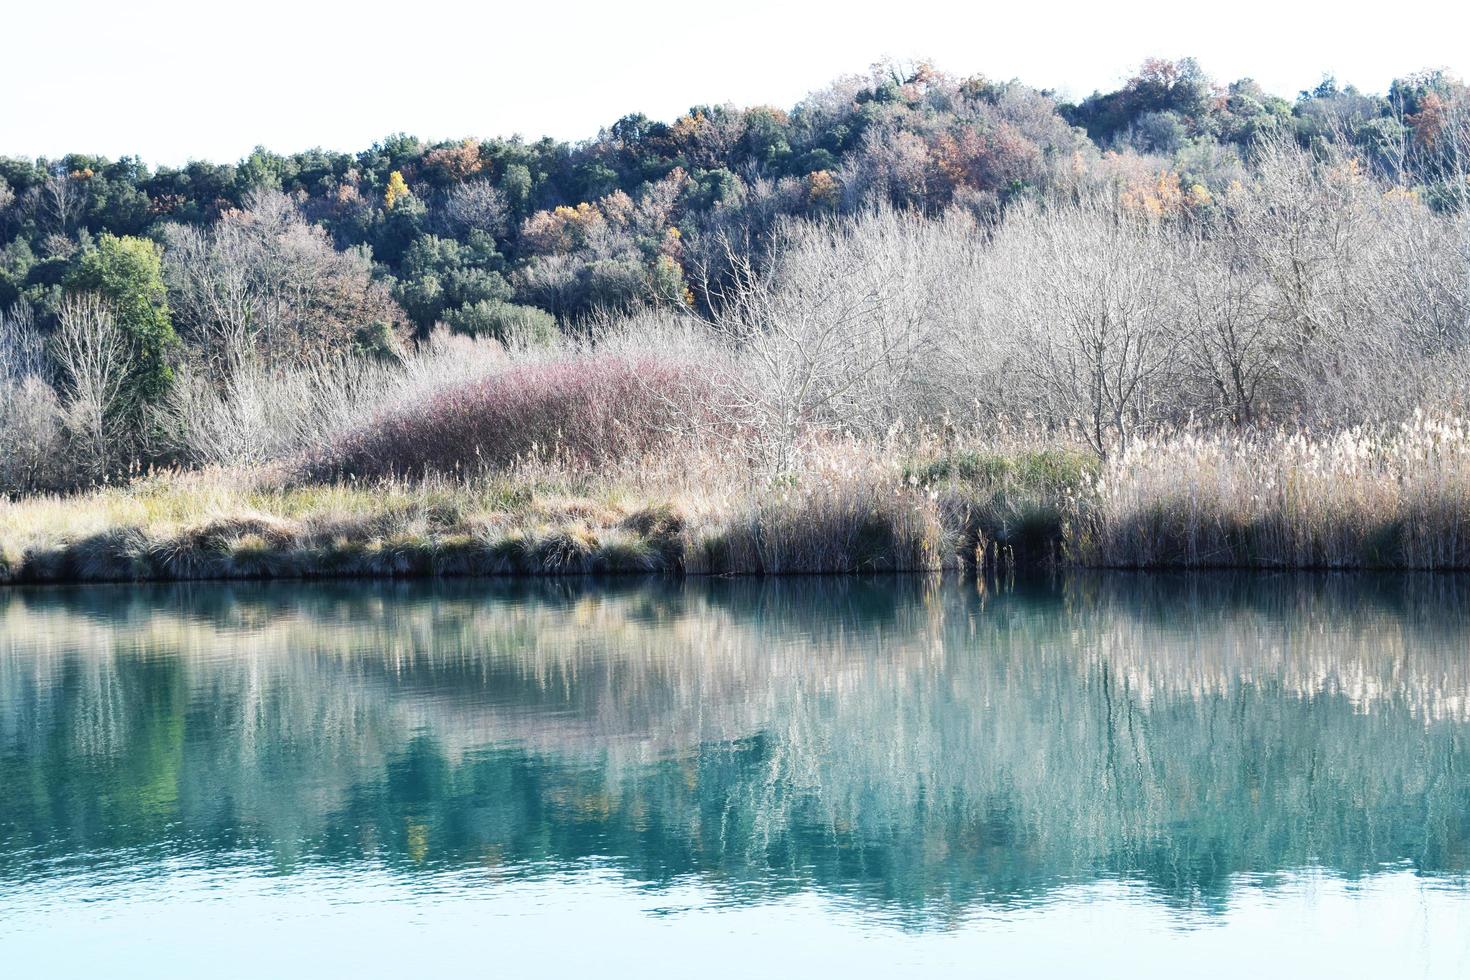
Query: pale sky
[[172, 80]]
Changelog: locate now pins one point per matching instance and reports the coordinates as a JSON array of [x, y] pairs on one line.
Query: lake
[[1094, 775]]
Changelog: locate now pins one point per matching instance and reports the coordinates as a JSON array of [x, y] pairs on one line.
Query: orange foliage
[[987, 161], [617, 208], [1160, 196], [778, 115], [562, 229], [1157, 193], [455, 163], [1429, 121], [672, 245], [822, 189], [1349, 172]]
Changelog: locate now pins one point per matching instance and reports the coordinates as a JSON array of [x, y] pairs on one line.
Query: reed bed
[[1392, 497]]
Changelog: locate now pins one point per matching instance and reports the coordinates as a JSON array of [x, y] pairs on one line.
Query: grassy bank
[[217, 525], [1396, 499], [849, 508]]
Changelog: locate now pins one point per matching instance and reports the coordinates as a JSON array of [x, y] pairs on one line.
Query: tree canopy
[[449, 230]]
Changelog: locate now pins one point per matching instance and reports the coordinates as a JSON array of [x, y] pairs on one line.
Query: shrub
[[509, 323], [1043, 471], [593, 408], [1010, 506], [258, 416]]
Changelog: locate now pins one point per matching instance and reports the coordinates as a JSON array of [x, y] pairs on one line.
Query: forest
[[914, 321]]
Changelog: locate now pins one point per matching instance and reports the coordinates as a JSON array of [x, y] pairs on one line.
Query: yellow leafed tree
[[397, 188]]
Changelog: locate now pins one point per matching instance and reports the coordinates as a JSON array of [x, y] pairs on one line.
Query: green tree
[[516, 184], [128, 273], [439, 274], [261, 170]]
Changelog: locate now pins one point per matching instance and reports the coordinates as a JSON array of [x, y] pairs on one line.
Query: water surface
[[1100, 775]]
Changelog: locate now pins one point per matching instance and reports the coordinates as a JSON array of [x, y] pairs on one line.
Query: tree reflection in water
[[920, 746]]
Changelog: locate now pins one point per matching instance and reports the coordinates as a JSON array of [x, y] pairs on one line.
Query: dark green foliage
[[442, 274], [506, 322], [709, 189], [1180, 88], [376, 340], [393, 231], [516, 184]]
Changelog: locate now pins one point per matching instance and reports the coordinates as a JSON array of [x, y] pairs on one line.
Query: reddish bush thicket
[[593, 409]]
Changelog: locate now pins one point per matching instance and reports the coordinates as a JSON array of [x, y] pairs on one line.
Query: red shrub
[[593, 409]]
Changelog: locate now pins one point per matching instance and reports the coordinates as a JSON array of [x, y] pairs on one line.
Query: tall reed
[[1368, 497]]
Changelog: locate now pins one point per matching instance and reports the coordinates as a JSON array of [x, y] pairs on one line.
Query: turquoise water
[[1121, 775]]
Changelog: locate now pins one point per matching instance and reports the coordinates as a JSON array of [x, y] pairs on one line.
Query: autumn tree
[[396, 190], [452, 164]]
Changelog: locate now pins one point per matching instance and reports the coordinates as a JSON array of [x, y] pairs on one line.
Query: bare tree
[[1083, 291], [265, 287], [1454, 139], [30, 417], [210, 291], [22, 349], [1362, 282], [477, 205], [828, 329], [59, 202], [1233, 350], [31, 449], [94, 355]]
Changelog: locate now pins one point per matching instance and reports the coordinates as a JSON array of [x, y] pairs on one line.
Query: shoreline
[[653, 542], [1395, 504]]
